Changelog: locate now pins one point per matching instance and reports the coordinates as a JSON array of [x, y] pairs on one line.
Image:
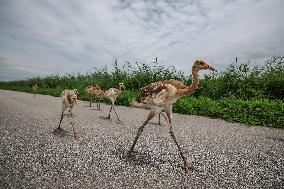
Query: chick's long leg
[[116, 113], [151, 115], [169, 115]]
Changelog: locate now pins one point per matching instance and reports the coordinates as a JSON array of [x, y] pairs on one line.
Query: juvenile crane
[[91, 90], [161, 95], [112, 94], [69, 98], [100, 94], [88, 90], [35, 87]]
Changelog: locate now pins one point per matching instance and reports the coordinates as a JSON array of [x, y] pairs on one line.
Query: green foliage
[[254, 112], [126, 98], [242, 93], [246, 82]]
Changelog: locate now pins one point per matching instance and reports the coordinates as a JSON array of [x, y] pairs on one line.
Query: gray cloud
[[48, 37]]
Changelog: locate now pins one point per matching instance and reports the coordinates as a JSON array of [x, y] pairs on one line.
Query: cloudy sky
[[42, 37]]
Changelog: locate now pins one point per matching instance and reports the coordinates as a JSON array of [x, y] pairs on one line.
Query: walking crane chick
[[69, 98], [112, 94], [161, 95]]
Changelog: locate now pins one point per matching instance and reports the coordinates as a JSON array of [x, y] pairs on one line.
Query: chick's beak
[[211, 68]]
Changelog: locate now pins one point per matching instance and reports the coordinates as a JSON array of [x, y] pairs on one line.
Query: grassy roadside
[[261, 112], [253, 112], [242, 93]]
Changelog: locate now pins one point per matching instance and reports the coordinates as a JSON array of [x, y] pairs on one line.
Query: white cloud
[[69, 36]]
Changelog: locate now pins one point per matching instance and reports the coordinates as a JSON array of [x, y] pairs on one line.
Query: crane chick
[[69, 98]]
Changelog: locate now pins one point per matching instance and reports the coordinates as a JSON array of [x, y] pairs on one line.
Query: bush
[[254, 112], [246, 82]]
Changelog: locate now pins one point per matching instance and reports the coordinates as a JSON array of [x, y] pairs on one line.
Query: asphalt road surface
[[224, 155]]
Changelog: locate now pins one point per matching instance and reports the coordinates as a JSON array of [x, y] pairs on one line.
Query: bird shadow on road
[[104, 117], [156, 124], [146, 158], [61, 133], [143, 158], [67, 115], [86, 106], [96, 109]]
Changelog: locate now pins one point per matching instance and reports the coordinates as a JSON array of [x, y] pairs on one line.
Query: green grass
[[254, 112], [242, 93]]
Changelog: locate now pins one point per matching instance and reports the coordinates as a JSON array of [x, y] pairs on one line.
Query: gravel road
[[224, 155]]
